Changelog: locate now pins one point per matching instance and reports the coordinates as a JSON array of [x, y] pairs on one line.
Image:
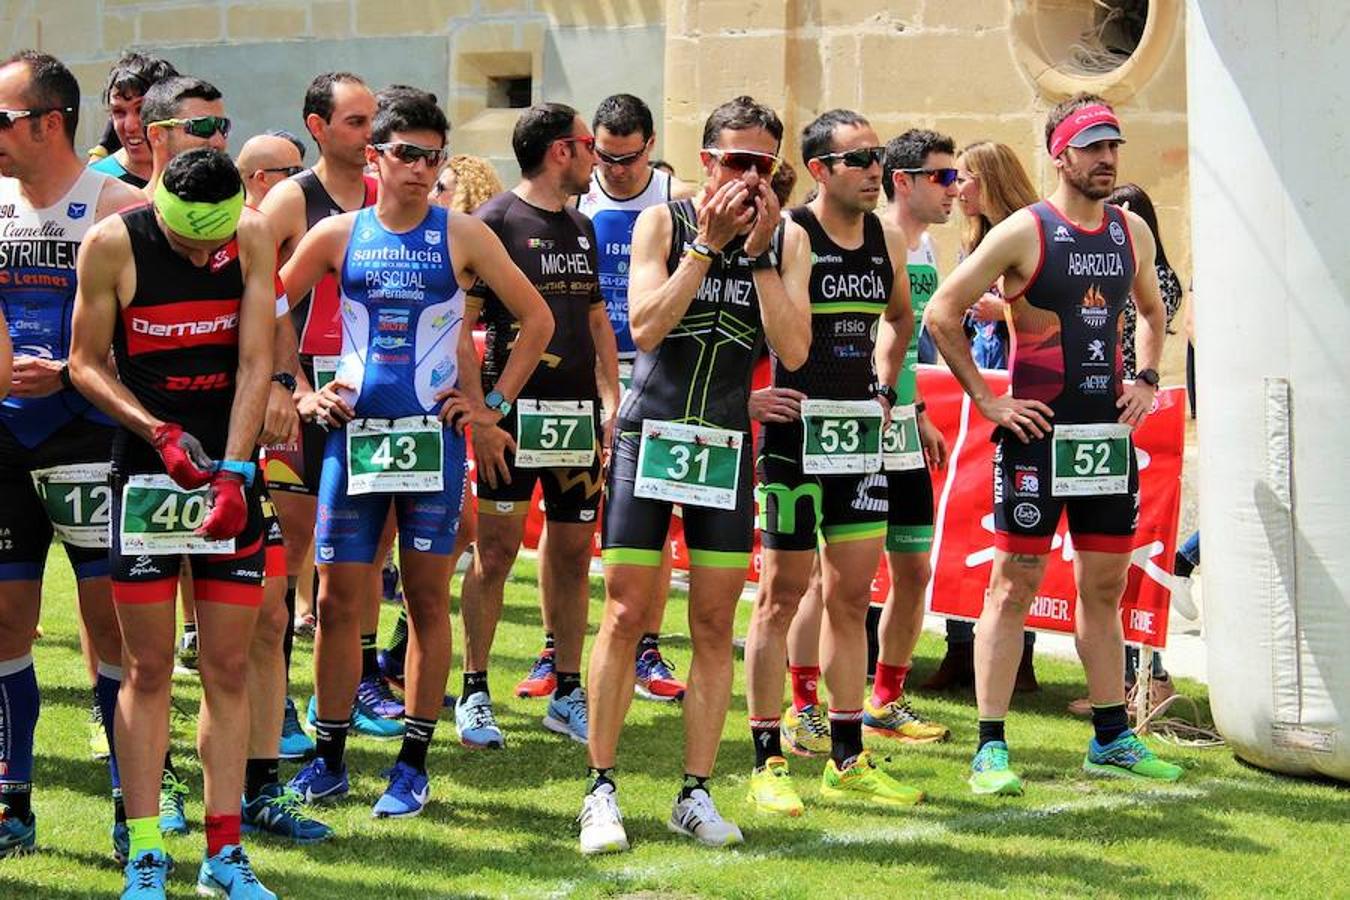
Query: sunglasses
[[944, 177], [9, 116], [197, 126], [610, 159], [411, 153], [766, 164], [288, 171], [585, 140], [861, 158]]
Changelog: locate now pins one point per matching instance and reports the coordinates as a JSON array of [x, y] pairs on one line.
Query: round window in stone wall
[[1109, 47]]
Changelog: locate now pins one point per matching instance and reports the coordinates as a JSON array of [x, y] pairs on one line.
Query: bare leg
[[426, 590], [782, 583], [902, 618], [142, 727], [847, 569], [499, 540], [803, 638], [1101, 579], [344, 589], [713, 593], [628, 591], [998, 636], [226, 633], [267, 672]]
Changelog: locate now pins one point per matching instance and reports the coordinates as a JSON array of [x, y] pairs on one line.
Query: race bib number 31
[[900, 447], [1090, 460], [555, 433], [841, 437], [688, 464], [78, 500], [159, 517], [394, 457]]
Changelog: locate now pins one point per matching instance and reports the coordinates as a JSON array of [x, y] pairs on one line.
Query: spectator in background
[[130, 78], [465, 183], [784, 180], [663, 166]]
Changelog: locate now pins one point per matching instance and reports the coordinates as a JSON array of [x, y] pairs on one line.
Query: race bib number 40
[[1090, 460], [159, 517], [394, 456], [554, 433], [901, 450], [689, 464], [841, 436], [78, 500]]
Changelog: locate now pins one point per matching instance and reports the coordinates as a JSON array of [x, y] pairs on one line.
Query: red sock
[[889, 683], [804, 680], [221, 831]]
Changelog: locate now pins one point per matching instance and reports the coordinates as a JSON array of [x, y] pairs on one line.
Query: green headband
[[198, 221]]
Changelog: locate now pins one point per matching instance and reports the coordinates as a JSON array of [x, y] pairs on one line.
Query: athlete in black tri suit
[[1063, 443], [569, 403], [710, 280]]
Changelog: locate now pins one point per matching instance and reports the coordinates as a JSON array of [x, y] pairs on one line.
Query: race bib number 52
[[1090, 460]]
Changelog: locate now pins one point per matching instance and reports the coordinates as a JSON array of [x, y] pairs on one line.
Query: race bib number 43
[[553, 433], [1090, 460], [841, 436], [159, 517], [394, 456], [689, 464], [78, 500]]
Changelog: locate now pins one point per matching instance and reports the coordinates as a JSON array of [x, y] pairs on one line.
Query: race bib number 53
[[841, 436], [689, 464], [1090, 460]]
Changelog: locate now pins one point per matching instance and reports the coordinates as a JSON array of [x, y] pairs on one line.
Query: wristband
[[245, 470], [920, 407], [699, 251], [66, 381], [885, 391], [766, 260]]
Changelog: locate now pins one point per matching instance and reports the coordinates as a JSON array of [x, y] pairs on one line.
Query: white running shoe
[[602, 823], [695, 816], [1182, 601]]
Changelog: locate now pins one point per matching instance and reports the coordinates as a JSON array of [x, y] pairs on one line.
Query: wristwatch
[[702, 251], [766, 260], [496, 402], [886, 391], [286, 380], [64, 375], [1148, 377]]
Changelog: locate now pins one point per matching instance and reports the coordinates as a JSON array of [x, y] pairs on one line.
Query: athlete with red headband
[[1063, 435]]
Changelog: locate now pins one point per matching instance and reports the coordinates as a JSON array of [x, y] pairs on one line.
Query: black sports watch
[[766, 260], [885, 390], [286, 380], [1148, 377]]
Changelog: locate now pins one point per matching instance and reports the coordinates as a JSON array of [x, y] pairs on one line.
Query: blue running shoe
[[277, 811], [476, 724], [229, 875], [147, 875], [1128, 757], [407, 794], [315, 782], [391, 667], [295, 744], [374, 692], [16, 836], [364, 722], [990, 773], [567, 715], [121, 838], [173, 792]]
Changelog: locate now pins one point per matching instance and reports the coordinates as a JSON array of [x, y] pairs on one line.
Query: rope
[[1192, 732]]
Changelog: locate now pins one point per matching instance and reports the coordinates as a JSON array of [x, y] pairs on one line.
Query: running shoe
[[771, 789], [476, 724], [315, 782], [656, 678], [898, 720], [295, 744], [391, 592], [229, 875], [806, 732], [364, 722], [1182, 599], [173, 794], [567, 716], [186, 654], [601, 823], [277, 811], [147, 875], [697, 817], [989, 772], [121, 840], [542, 680], [98, 735], [1128, 757], [304, 626], [16, 836], [391, 666], [407, 794], [862, 780], [375, 693]]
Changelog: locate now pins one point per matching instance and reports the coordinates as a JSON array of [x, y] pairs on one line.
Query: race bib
[[688, 464], [841, 437], [901, 450], [1090, 460], [396, 456], [325, 370], [78, 500], [555, 433], [159, 517]]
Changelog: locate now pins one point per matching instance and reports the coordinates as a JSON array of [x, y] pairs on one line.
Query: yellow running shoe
[[899, 721], [771, 789], [864, 781], [807, 732]]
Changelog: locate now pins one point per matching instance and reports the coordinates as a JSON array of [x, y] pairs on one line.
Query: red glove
[[228, 513], [184, 459]]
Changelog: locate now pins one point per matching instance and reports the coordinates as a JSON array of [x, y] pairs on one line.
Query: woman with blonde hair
[[465, 183]]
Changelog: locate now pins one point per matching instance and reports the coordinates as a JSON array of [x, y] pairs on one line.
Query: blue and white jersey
[[37, 292], [401, 313], [614, 220]]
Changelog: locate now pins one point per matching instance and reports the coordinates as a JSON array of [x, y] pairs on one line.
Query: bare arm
[[6, 357], [606, 358], [1150, 323], [257, 323], [681, 190], [319, 253], [284, 208], [897, 322], [784, 300]]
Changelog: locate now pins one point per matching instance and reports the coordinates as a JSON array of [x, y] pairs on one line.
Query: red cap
[[1086, 126]]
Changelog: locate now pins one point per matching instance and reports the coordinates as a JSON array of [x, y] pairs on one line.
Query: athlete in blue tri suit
[[398, 423]]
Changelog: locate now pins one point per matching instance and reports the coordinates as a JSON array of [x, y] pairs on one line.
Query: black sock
[[398, 641], [767, 738], [258, 774], [600, 778], [168, 765], [991, 730], [416, 741], [190, 627], [649, 641], [18, 796], [548, 640], [845, 737], [330, 740], [567, 683], [474, 682], [289, 640], [693, 783], [1110, 722], [119, 807], [1182, 567], [370, 666]]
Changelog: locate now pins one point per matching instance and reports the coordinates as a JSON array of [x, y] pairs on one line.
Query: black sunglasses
[[944, 177], [411, 153], [198, 126], [610, 159], [288, 171], [861, 158], [9, 116]]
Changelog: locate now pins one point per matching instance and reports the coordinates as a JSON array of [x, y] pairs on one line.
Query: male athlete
[[403, 266], [182, 292], [264, 162], [130, 77], [712, 278], [820, 466], [1069, 265], [54, 446], [550, 427]]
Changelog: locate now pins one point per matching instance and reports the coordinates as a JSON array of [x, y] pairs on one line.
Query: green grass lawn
[[502, 824]]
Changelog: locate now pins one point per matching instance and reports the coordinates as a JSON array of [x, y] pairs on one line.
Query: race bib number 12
[[78, 501]]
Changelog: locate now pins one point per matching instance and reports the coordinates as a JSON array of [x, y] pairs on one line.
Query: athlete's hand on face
[[773, 404], [1136, 402], [989, 308], [34, 376], [330, 407], [934, 445], [725, 214], [1025, 418], [281, 422], [228, 513], [184, 458], [490, 443], [767, 214]]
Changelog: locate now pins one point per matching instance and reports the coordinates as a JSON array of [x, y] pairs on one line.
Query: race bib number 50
[[901, 450], [1090, 460], [689, 464], [78, 500], [394, 456], [159, 517]]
